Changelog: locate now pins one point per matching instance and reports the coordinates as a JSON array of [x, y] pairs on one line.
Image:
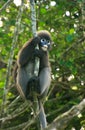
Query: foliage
[[66, 22]]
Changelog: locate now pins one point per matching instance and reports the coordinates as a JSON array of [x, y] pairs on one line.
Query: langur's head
[[45, 40]]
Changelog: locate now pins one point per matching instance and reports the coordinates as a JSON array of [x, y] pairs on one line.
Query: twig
[[73, 46], [5, 5], [25, 125], [16, 113], [14, 102], [20, 126]]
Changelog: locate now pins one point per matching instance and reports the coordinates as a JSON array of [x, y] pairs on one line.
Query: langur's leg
[[23, 76], [32, 86], [21, 81], [44, 81]]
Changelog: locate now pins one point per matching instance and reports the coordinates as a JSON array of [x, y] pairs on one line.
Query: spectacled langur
[[25, 66]]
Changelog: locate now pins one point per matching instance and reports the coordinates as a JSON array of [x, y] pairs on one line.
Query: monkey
[[25, 77], [25, 64]]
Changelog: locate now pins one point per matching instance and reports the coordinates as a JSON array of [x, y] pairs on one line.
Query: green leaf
[[69, 38]]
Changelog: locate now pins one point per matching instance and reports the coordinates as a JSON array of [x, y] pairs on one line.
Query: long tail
[[42, 116]]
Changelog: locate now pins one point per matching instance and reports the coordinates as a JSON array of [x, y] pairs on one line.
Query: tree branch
[[66, 117], [33, 23], [36, 64], [33, 17], [38, 106], [14, 41]]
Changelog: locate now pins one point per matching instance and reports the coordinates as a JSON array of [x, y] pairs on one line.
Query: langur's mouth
[[44, 48]]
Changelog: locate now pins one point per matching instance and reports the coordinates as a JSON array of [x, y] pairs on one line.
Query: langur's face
[[45, 44], [45, 40]]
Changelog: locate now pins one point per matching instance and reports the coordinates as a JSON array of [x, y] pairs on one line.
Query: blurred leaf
[[71, 31], [69, 38]]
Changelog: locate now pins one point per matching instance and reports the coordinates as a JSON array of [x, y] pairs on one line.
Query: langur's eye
[[43, 40], [48, 42]]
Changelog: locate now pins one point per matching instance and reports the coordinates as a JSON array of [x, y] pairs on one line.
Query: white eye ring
[[43, 40], [48, 42]]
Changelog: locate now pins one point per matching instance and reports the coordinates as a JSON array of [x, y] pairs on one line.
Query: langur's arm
[[26, 52], [38, 53]]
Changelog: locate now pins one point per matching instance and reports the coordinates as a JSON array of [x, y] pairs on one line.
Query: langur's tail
[[42, 116]]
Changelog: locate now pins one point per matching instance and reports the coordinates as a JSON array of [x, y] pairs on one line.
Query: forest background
[[65, 20]]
